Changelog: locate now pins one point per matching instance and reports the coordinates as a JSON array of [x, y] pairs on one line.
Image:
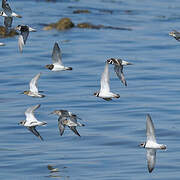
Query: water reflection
[[55, 172]]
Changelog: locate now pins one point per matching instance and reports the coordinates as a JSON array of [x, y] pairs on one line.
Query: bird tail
[[79, 124], [69, 68], [42, 96], [16, 15], [117, 96], [163, 146], [43, 123]]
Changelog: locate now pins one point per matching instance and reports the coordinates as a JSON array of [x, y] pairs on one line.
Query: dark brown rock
[[62, 24], [5, 34], [89, 26], [79, 11], [66, 23]]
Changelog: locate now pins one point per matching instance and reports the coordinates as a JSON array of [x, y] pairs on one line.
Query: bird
[[8, 14], [24, 29], [69, 119], [57, 60], [33, 89], [2, 44], [52, 169], [104, 92], [151, 144], [175, 34], [118, 68], [31, 122]]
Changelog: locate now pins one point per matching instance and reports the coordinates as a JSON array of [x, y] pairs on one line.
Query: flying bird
[[33, 89], [118, 68], [2, 44], [105, 88], [151, 144], [24, 29], [66, 118], [57, 60], [31, 122], [175, 34], [8, 14]]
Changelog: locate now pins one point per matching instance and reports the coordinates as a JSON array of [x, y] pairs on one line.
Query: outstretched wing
[[8, 22], [25, 35], [33, 83], [105, 79], [6, 8], [60, 125], [56, 55], [35, 132], [119, 72], [73, 118], [73, 128], [151, 159], [150, 131], [3, 4], [29, 113]]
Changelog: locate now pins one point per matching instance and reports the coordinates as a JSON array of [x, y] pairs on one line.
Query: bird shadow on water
[[55, 172]]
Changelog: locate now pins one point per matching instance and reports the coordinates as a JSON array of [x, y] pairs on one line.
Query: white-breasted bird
[[24, 29], [105, 88], [33, 88], [2, 44], [31, 122], [69, 119], [57, 60], [151, 144], [175, 34], [8, 14], [118, 68]]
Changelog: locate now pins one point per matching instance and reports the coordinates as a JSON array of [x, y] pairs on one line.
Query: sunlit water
[[108, 146]]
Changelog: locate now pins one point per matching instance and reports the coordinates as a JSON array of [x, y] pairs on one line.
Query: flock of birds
[[67, 118]]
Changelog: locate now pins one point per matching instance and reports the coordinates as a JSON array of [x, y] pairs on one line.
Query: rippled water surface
[[108, 146]]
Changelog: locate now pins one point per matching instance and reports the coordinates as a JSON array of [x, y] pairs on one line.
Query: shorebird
[[31, 122], [57, 60], [118, 68], [105, 89], [8, 14], [52, 169], [2, 44], [151, 144], [66, 118], [175, 34], [33, 89], [24, 29]]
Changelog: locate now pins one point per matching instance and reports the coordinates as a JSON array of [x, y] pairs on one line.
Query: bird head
[[49, 66], [173, 33], [96, 94], [2, 14], [26, 92], [57, 112], [18, 27], [22, 122], [142, 144], [111, 61]]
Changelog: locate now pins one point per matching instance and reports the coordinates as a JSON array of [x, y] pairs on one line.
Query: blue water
[[108, 148]]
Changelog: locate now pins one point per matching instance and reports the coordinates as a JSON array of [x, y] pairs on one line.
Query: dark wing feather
[[73, 128], [6, 8], [107, 99], [3, 4], [35, 132], [8, 22], [25, 35], [61, 126], [119, 72], [151, 159]]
